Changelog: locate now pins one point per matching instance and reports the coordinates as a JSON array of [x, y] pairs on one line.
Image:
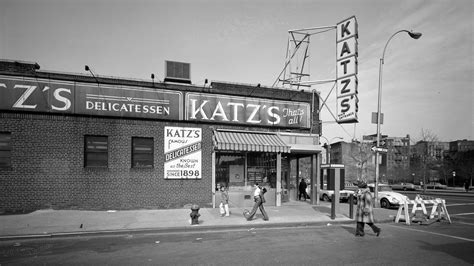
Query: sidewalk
[[53, 223]]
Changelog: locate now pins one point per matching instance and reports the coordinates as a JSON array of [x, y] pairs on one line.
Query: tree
[[361, 154], [462, 162], [423, 156]]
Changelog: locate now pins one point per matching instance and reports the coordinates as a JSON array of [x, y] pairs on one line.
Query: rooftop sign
[[347, 99]]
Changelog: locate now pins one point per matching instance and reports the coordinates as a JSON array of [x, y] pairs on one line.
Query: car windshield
[[381, 188], [385, 188]]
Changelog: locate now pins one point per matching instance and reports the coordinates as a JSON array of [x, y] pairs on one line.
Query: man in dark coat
[[302, 190]]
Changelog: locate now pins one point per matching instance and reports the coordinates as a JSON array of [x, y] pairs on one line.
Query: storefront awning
[[301, 143], [249, 141]]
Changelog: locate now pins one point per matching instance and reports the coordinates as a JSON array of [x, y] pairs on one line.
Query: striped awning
[[249, 141]]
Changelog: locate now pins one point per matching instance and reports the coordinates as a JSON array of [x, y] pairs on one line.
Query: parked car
[[436, 185], [344, 194], [387, 197], [404, 186]]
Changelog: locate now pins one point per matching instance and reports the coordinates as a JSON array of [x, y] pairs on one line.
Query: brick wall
[[48, 166]]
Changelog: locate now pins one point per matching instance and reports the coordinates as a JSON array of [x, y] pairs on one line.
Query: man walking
[[259, 199]]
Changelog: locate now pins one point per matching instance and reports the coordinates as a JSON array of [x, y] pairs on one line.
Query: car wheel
[[404, 189], [384, 203], [326, 198]]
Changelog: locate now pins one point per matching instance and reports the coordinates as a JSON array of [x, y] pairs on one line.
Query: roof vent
[[178, 72]]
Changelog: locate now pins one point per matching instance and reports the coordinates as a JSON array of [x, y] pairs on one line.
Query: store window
[[142, 152], [96, 151], [261, 169], [5, 150], [231, 171]]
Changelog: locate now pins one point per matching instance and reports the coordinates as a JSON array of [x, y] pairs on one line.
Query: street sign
[[379, 149], [374, 118]]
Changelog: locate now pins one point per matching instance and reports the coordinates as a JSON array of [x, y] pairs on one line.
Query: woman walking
[[365, 211]]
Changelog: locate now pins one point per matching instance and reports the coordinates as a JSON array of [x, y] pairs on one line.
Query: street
[[440, 243], [437, 244]]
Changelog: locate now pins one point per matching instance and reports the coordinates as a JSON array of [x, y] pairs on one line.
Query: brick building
[[80, 141]]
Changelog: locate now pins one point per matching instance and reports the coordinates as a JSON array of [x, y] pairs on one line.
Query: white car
[[344, 194], [387, 197]]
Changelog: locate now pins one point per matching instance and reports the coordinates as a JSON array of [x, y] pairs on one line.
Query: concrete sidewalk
[[51, 223]]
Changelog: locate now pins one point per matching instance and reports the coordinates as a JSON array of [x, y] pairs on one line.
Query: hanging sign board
[[346, 93]]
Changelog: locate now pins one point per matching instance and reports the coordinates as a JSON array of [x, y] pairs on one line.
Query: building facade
[[461, 145], [357, 159], [79, 141]]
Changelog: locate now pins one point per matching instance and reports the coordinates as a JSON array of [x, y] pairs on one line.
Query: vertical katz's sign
[[347, 100], [183, 150], [215, 108]]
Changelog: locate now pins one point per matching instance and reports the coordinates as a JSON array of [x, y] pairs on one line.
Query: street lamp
[[414, 35], [328, 151]]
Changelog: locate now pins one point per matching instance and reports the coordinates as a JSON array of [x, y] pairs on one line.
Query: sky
[[427, 83]]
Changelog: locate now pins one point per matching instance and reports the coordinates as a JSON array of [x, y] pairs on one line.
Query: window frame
[[88, 151], [150, 153], [6, 150]]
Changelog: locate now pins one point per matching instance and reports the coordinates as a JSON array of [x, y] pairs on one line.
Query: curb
[[185, 229]]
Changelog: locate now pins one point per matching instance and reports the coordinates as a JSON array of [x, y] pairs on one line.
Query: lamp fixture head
[[152, 76], [415, 35], [87, 68]]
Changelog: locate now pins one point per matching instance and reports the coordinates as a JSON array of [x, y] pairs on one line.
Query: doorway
[[294, 168]]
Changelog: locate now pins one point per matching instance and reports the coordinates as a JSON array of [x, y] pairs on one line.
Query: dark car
[[404, 186], [436, 185]]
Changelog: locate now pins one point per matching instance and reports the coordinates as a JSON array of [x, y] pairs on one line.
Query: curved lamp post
[[414, 35]]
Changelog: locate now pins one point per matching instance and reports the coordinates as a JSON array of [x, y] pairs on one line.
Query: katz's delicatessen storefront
[[76, 141]]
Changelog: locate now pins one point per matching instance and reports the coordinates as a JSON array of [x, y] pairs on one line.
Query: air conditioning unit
[[178, 72]]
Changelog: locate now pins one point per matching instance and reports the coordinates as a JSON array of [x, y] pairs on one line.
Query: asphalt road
[[440, 243], [437, 244]]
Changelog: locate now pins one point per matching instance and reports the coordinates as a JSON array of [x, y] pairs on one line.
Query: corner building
[[79, 141]]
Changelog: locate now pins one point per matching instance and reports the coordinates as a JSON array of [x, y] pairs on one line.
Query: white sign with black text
[[183, 153]]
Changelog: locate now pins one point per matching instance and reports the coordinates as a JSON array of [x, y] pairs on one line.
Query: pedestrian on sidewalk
[[466, 185], [259, 198], [365, 211], [302, 190], [224, 206]]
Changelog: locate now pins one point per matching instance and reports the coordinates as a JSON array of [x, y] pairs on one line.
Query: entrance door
[[299, 168]]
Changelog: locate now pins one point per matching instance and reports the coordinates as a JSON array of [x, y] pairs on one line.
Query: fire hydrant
[[194, 214]]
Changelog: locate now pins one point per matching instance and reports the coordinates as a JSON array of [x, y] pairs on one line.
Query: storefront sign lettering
[[241, 110], [53, 96], [346, 57]]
